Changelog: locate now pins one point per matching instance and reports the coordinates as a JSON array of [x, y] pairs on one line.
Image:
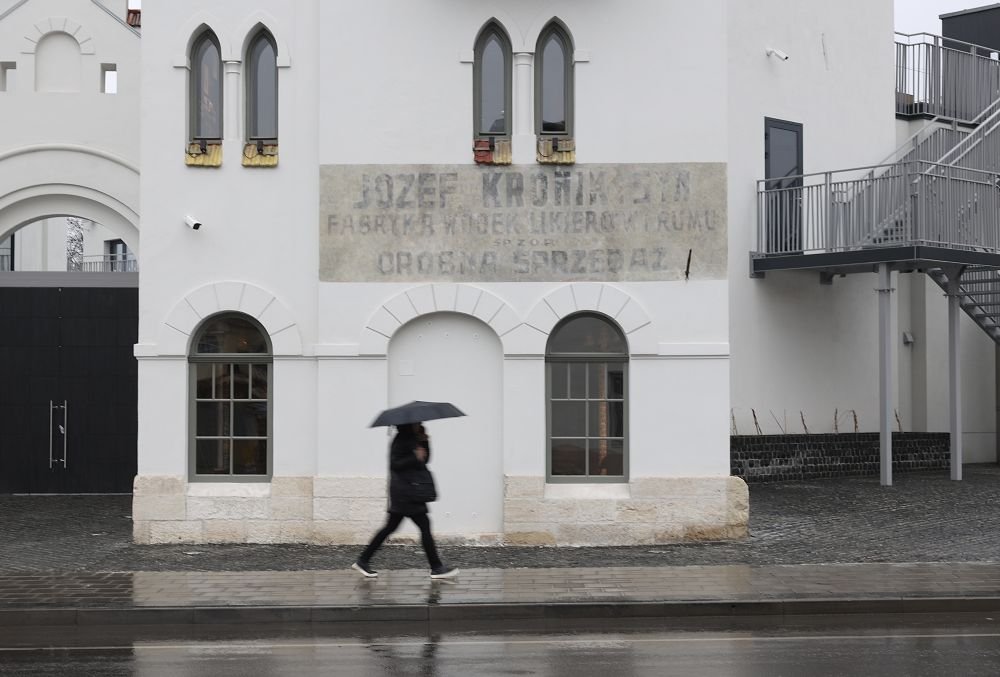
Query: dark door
[[783, 200], [68, 392]]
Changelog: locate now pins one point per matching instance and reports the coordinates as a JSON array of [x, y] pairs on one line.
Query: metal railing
[[905, 203], [6, 261], [106, 264], [943, 77]]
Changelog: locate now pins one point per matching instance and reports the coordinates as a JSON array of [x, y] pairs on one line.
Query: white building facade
[[542, 213]]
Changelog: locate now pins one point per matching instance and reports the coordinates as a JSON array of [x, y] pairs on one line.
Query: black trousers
[[423, 523]]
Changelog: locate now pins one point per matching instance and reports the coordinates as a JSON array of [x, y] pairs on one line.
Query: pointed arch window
[[230, 400], [492, 82], [205, 96], [587, 397], [554, 82], [262, 88]]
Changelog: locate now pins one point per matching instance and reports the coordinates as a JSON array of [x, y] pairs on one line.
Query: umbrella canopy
[[416, 411]]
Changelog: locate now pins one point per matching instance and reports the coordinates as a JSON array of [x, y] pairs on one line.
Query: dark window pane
[[493, 86], [263, 90], [241, 381], [607, 419], [587, 334], [223, 381], [203, 380], [229, 334], [616, 381], [554, 85], [569, 457], [207, 74], [607, 457], [249, 419], [259, 386], [559, 373], [577, 381], [212, 457], [249, 457], [597, 381], [212, 419], [568, 419]]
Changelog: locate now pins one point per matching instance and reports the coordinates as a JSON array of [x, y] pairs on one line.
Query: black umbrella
[[414, 412]]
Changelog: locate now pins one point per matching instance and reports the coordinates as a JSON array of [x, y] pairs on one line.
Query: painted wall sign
[[388, 223]]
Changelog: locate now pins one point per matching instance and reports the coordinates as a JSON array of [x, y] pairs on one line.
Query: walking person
[[411, 488]]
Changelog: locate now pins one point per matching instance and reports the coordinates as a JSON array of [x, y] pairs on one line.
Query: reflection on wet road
[[967, 645]]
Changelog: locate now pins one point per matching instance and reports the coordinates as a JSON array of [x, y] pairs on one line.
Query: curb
[[496, 613]]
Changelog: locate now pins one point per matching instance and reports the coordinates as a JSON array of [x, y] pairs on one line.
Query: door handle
[[63, 429]]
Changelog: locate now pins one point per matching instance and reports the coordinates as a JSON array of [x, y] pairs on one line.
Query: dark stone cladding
[[779, 458]]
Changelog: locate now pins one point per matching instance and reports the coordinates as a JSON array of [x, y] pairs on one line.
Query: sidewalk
[[835, 546], [497, 595]]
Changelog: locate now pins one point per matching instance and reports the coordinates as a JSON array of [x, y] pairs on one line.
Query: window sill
[[267, 156], [616, 491], [229, 489], [555, 150], [194, 156], [499, 154]]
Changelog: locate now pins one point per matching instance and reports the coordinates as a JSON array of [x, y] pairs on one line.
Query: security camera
[[771, 51], [192, 223]]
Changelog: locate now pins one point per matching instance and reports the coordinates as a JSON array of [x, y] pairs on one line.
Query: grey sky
[[921, 16]]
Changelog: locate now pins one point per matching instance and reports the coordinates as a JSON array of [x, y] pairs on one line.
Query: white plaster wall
[[672, 387], [162, 412], [798, 345], [81, 146], [422, 64], [259, 223]]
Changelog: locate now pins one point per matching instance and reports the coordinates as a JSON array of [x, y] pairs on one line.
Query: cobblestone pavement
[[922, 518]]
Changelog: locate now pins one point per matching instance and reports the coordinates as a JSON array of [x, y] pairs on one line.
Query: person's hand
[[421, 453]]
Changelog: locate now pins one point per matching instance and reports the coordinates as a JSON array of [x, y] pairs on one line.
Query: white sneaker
[[444, 572], [364, 570]]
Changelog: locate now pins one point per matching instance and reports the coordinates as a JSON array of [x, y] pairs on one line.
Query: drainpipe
[[885, 360]]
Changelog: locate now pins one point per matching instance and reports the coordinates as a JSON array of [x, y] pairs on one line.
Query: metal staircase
[[933, 205]]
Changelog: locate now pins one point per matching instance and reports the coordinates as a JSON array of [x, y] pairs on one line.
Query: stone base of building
[[348, 510]]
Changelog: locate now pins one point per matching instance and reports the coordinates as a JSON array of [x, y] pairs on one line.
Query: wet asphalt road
[[922, 646]]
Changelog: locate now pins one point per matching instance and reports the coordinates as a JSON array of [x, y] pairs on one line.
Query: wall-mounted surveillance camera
[[192, 223], [777, 53]]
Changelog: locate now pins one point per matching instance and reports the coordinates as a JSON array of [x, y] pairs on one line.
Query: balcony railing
[[906, 203], [941, 77], [5, 262], [106, 264]]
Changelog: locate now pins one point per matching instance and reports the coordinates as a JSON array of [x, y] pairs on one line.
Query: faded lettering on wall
[[467, 223]]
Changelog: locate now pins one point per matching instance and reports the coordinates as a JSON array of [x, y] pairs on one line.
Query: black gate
[[68, 383]]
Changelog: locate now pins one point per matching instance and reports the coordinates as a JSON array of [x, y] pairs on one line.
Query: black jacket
[[406, 470]]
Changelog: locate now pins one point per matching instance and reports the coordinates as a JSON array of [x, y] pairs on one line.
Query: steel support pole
[[955, 375], [885, 373]]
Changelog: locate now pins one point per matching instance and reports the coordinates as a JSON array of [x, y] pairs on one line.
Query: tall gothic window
[[205, 96], [230, 400], [262, 88], [554, 81], [587, 397], [492, 82]]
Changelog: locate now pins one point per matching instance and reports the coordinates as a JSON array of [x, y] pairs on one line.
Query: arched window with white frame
[[205, 93], [262, 88], [230, 400], [587, 400], [554, 81]]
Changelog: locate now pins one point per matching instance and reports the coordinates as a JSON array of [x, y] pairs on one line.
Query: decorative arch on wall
[[69, 189], [59, 24], [191, 30], [252, 25], [176, 331], [509, 26], [437, 298], [597, 297]]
